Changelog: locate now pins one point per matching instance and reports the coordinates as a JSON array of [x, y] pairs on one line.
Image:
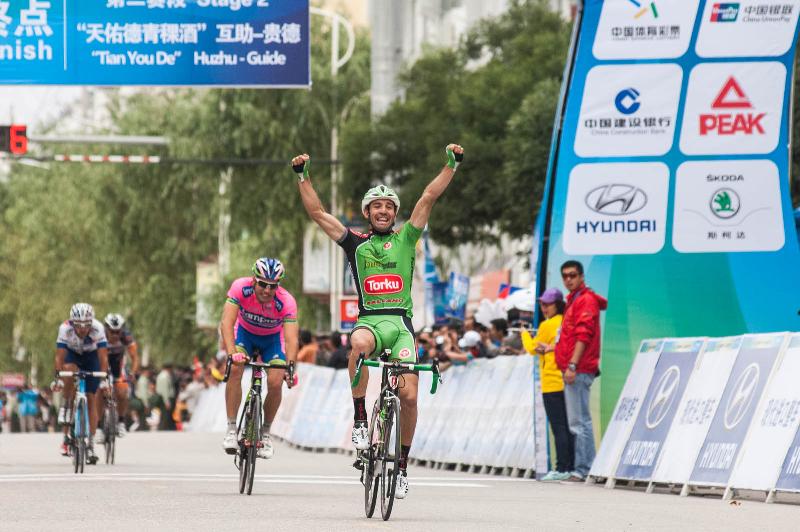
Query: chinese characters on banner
[[155, 42]]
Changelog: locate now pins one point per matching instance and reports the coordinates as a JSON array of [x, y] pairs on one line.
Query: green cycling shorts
[[391, 332]]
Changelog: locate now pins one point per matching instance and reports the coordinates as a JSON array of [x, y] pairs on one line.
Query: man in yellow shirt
[[551, 303]]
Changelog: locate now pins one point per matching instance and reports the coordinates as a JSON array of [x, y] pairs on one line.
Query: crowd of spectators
[[160, 399]]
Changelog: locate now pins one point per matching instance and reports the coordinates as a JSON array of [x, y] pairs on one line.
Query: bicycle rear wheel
[[390, 465], [254, 441], [368, 472]]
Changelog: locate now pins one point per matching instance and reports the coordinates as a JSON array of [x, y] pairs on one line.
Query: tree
[[496, 94]]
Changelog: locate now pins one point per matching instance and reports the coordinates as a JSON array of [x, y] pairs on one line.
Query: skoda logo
[[627, 102], [742, 396], [616, 199], [664, 396], [725, 203]]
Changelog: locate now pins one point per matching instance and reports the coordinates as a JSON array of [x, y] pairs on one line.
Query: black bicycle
[[382, 457], [79, 432], [249, 427], [109, 422]]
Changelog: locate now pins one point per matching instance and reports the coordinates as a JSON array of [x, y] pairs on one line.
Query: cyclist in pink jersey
[[259, 319]]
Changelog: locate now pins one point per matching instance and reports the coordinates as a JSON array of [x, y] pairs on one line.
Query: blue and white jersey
[[69, 340]]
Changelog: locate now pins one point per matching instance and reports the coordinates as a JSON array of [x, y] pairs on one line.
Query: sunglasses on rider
[[264, 284]]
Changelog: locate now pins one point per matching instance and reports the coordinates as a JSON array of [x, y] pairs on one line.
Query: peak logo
[[731, 123], [725, 12], [384, 283]]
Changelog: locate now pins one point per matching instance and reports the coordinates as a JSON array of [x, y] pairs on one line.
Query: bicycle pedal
[[358, 464]]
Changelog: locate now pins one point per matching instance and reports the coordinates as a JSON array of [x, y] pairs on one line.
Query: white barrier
[[696, 410], [626, 411], [482, 415]]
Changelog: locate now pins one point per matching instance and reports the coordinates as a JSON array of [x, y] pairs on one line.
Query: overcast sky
[[32, 106]]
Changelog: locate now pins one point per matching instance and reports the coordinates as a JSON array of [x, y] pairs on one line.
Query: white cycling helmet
[[81, 313], [114, 321], [378, 193]]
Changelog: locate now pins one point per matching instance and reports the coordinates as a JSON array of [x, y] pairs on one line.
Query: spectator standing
[[28, 408], [309, 348], [552, 305], [339, 356], [578, 357], [165, 387]]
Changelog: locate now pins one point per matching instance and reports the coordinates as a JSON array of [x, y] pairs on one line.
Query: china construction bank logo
[[732, 113], [629, 122]]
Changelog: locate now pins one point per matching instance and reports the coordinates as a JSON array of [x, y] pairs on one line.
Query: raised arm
[[422, 210], [332, 227]]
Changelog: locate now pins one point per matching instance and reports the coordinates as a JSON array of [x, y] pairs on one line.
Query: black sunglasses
[[264, 284]]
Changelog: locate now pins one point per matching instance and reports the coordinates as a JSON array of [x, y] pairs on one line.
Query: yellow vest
[[552, 379]]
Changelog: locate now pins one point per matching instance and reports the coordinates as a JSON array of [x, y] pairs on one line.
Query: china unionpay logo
[[730, 115], [725, 12]]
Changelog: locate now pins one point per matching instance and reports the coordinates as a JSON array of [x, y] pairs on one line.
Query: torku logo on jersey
[[383, 283], [731, 97]]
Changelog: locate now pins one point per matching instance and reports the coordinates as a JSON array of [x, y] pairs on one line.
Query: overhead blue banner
[[243, 43], [457, 295], [736, 409], [669, 173], [660, 405]]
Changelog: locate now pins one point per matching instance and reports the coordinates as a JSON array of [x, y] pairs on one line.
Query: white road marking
[[184, 477]]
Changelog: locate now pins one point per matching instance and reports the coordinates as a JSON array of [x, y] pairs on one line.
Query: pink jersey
[[257, 318]]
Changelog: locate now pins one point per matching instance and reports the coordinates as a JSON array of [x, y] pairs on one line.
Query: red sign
[[14, 139], [731, 97], [348, 310], [383, 283]]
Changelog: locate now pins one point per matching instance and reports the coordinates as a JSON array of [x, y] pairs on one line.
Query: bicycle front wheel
[[244, 455], [390, 465], [369, 460], [255, 436], [110, 429]]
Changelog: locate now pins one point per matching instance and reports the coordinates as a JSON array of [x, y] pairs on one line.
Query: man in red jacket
[[578, 356]]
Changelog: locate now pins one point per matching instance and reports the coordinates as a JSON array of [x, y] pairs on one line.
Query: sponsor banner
[[747, 28], [774, 426], [727, 206], [742, 393], [457, 296], [628, 110], [655, 418], [155, 42], [12, 380], [627, 409], [644, 29], [616, 208], [696, 410], [730, 109], [439, 290], [638, 94]]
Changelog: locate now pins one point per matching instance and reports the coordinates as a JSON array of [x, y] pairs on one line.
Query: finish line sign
[[257, 43]]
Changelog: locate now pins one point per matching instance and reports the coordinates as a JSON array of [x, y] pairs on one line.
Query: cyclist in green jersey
[[382, 264]]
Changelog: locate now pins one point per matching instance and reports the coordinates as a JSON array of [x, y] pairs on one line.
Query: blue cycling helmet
[[268, 269]]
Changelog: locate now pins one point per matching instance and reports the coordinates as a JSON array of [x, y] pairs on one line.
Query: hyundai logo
[[742, 396], [616, 199], [664, 396], [627, 102]]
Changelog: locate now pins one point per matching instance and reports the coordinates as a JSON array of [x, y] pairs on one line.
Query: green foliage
[[128, 238], [496, 94]]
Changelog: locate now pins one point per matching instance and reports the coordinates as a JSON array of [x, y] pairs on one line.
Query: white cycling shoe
[[99, 436], [360, 436], [401, 489], [266, 450], [230, 443], [121, 430]]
